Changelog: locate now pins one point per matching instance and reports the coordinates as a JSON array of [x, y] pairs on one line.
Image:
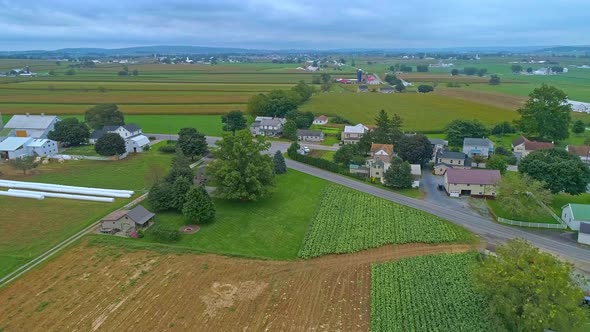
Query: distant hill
[[565, 49]]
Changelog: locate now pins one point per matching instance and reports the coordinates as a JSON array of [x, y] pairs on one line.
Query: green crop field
[[35, 226], [427, 293], [349, 221], [420, 112], [273, 227]]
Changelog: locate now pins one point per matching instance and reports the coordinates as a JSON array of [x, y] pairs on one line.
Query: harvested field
[[489, 98], [104, 288]]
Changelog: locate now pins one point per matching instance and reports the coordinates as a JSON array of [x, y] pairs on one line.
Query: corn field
[[349, 221], [427, 293]]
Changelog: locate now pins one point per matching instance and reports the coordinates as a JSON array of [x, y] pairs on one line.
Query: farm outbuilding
[[17, 147], [126, 222], [574, 214], [584, 233]]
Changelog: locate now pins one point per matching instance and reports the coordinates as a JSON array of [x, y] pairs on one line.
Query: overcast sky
[[280, 24]]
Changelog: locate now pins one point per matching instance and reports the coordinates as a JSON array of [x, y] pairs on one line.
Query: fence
[[530, 224]]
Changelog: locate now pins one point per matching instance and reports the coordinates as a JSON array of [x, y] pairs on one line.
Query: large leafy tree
[[110, 144], [180, 167], [304, 90], [559, 169], [399, 174], [276, 103], [415, 149], [234, 121], [161, 196], [347, 154], [546, 114], [279, 163], [498, 162], [70, 131], [199, 207], [519, 194], [241, 169], [290, 130], [191, 142], [459, 129], [528, 290], [104, 115]]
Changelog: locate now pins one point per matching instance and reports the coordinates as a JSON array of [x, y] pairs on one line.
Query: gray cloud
[[274, 24]]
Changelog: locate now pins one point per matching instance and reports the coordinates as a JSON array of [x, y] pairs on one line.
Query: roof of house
[[14, 143], [305, 132], [272, 122], [477, 141], [519, 141], [416, 169], [580, 150], [131, 127], [358, 129], [387, 148], [140, 215], [322, 118], [140, 140], [437, 141], [36, 143], [585, 228], [533, 146], [115, 215], [580, 211], [451, 155], [98, 133], [31, 121], [473, 176]]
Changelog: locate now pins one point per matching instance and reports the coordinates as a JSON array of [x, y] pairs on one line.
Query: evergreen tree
[[579, 127], [279, 161], [199, 207], [180, 167], [161, 196], [180, 188]]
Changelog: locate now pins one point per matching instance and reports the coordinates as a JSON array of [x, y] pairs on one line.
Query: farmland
[[427, 293], [170, 291], [35, 226], [349, 221]]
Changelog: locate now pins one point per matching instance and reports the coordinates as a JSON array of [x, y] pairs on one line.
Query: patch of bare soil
[[95, 288]]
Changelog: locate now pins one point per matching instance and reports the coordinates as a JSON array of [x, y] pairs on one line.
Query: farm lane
[[492, 232]]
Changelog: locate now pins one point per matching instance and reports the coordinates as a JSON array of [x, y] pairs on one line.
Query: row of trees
[[278, 103]]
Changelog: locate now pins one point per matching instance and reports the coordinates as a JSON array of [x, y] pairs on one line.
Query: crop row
[[349, 221], [427, 293]]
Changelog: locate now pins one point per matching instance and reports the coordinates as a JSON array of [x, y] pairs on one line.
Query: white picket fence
[[530, 224]]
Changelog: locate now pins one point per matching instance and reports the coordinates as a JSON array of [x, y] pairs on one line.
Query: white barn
[[584, 233], [574, 214], [35, 126], [17, 147]]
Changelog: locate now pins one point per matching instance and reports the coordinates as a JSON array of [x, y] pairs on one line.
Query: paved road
[[494, 233]]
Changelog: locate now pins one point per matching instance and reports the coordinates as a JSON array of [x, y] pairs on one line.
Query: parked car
[[306, 149], [441, 187]]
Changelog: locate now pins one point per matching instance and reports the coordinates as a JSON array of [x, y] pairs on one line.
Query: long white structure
[[130, 192], [22, 195], [64, 189], [66, 196]]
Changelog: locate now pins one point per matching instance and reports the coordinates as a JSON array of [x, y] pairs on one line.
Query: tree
[[481, 72], [24, 163], [391, 79], [557, 69], [154, 174], [529, 290], [180, 167], [290, 130], [387, 130], [455, 72], [70, 131], [346, 154], [104, 115], [529, 70], [135, 72], [191, 142], [110, 144], [180, 188], [546, 114], [71, 72], [559, 169], [161, 196], [457, 130], [497, 162], [233, 121], [405, 68], [470, 71], [400, 87], [304, 90], [579, 127], [503, 128], [279, 162], [240, 168], [478, 159], [515, 194], [415, 149], [516, 68], [494, 80], [422, 68], [425, 88], [399, 174], [275, 103], [199, 207]]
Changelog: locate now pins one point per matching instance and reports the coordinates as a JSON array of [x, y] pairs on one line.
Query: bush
[[109, 145], [167, 149], [317, 162], [425, 88], [340, 120], [164, 234], [152, 138]]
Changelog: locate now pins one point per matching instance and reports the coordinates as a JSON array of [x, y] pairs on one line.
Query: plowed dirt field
[[99, 288]]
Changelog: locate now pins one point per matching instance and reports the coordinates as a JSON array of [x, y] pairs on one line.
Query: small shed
[[584, 233], [574, 214]]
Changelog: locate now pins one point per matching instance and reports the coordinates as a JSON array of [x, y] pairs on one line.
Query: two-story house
[[445, 160], [131, 133], [478, 147], [353, 134], [522, 146], [437, 145], [267, 126]]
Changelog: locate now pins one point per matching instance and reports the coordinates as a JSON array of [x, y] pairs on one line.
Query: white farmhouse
[[135, 141]]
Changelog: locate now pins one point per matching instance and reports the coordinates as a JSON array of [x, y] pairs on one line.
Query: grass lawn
[[413, 108], [82, 150], [35, 226], [330, 140], [271, 228], [535, 214], [560, 200]]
